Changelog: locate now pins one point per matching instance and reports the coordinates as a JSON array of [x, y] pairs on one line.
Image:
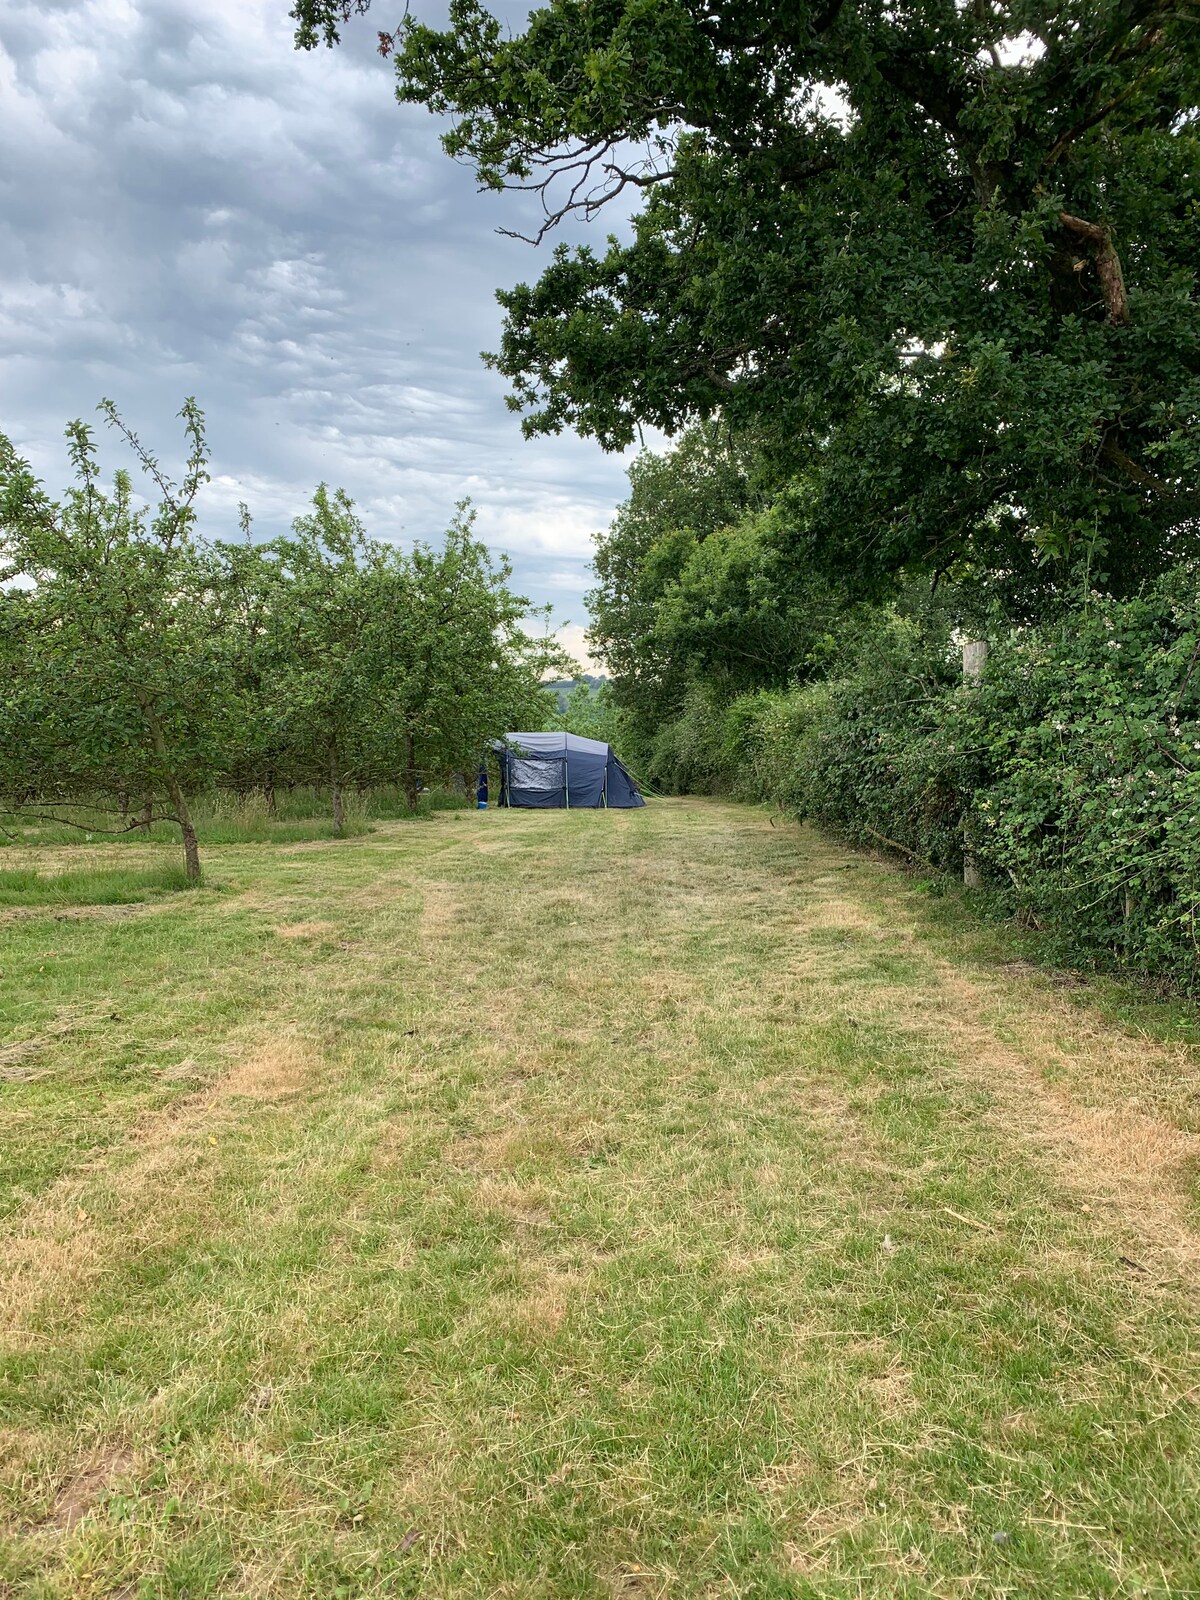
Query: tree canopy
[[144, 662], [703, 578], [942, 255], [116, 662]]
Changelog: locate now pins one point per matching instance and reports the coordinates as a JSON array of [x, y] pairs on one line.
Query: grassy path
[[628, 1204]]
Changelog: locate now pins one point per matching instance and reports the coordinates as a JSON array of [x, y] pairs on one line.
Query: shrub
[[1071, 773], [1089, 818], [685, 757]]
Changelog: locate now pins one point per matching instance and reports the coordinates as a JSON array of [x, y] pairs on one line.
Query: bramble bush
[[1091, 805], [1071, 772]]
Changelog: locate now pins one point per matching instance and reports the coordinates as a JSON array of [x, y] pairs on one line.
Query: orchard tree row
[[143, 664]]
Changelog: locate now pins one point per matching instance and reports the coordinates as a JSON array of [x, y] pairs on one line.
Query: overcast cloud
[[188, 205]]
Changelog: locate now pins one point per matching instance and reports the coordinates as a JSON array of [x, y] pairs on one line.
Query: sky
[[190, 206]]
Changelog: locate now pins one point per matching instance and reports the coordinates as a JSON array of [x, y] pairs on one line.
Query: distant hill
[[562, 688]]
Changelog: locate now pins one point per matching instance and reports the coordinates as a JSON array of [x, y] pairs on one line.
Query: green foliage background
[[1071, 772]]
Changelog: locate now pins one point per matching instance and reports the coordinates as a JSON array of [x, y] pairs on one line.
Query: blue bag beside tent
[[551, 770]]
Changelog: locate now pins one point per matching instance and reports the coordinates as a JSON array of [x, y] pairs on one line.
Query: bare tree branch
[[1111, 451], [87, 827], [1108, 266], [598, 182]]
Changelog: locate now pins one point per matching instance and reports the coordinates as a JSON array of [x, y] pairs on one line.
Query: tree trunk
[[269, 795], [191, 851], [411, 779], [335, 794], [974, 658], [147, 816], [183, 816]]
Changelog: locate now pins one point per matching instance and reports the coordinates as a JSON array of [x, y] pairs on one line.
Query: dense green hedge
[[1072, 772]]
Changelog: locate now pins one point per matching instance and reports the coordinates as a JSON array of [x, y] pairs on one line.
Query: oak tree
[[942, 254]]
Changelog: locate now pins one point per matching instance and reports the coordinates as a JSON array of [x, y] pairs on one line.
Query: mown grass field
[[593, 1204]]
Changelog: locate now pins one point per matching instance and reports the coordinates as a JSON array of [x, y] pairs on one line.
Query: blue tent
[[549, 770]]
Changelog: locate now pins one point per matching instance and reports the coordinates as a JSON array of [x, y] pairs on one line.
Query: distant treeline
[[582, 688]]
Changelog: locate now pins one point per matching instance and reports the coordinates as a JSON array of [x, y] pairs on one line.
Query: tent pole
[[567, 781]]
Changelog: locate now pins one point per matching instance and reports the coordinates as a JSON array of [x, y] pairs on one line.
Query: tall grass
[[224, 818], [89, 886]]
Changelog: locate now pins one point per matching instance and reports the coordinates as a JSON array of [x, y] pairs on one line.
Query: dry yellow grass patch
[[281, 1067], [836, 913], [1112, 1155], [57, 1248], [527, 1204], [439, 911], [51, 1260], [539, 1309], [784, 1478], [547, 1144], [490, 847], [891, 1389], [391, 1145], [304, 930], [749, 1263]]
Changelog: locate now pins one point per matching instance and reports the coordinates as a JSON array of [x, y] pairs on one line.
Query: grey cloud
[[189, 206]]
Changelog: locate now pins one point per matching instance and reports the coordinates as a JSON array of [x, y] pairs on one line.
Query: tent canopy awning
[[552, 744]]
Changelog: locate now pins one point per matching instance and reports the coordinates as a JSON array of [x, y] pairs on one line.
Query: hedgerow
[[1070, 773], [1089, 815]]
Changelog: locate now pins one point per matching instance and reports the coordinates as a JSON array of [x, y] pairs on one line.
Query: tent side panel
[[549, 771], [622, 791]]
